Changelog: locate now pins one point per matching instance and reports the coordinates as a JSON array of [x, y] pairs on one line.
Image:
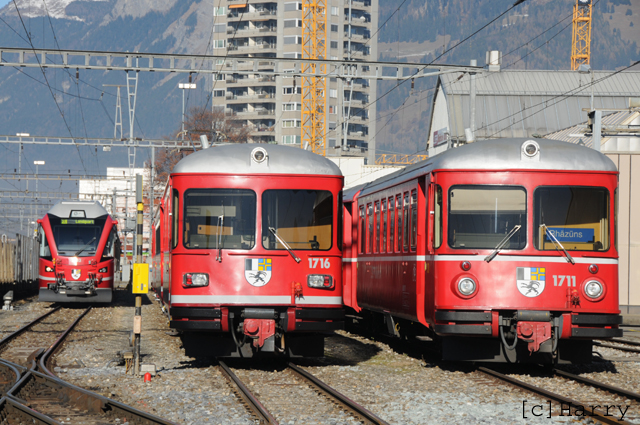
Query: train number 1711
[[559, 280], [323, 262]]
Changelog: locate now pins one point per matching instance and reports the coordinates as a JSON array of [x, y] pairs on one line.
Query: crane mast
[[581, 38], [314, 46]]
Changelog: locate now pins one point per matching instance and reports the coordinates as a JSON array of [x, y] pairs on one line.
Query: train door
[[433, 240]]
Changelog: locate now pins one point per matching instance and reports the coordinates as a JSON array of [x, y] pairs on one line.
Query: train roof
[[503, 154], [92, 209], [241, 158]]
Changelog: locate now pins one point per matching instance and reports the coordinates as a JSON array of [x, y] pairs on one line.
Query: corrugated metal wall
[[19, 260], [629, 230]]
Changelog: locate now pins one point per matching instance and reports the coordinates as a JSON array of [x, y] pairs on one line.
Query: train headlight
[[102, 270], [258, 155], [195, 279], [530, 148], [593, 289], [322, 281], [48, 269], [467, 286]]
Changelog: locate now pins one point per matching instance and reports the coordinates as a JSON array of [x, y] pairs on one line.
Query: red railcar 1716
[[248, 257]]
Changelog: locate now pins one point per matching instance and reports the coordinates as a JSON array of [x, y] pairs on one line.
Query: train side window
[[45, 250], [174, 219], [363, 231], [405, 212], [437, 220], [414, 219], [340, 220], [383, 214], [370, 230], [157, 240], [392, 224], [577, 217], [615, 218], [376, 225], [399, 222]]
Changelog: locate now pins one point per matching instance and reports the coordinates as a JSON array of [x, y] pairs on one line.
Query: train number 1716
[[559, 280], [323, 262]]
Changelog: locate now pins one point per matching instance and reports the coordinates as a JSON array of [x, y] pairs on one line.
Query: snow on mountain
[[36, 8]]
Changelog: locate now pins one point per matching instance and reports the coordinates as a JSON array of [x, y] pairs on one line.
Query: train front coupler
[[538, 329]]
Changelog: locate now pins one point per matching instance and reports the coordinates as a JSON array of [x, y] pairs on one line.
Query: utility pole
[[140, 283]]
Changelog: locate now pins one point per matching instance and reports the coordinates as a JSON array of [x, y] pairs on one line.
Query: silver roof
[[502, 154], [518, 103], [236, 159], [92, 209]]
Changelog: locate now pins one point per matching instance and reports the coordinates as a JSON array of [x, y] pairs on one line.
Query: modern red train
[[248, 257], [501, 250], [79, 253]]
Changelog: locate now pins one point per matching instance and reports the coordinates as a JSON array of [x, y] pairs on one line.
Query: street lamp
[[37, 163], [185, 86]]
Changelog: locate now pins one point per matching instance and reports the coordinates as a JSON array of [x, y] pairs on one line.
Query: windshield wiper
[[557, 243], [85, 246], [295, 257], [502, 243], [219, 232]]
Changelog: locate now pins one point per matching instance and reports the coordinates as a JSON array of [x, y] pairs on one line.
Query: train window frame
[[339, 216], [383, 226], [520, 235], [319, 218], [369, 228], [244, 241], [574, 210], [406, 224], [44, 250], [398, 244], [437, 219], [392, 224], [376, 227], [175, 212], [363, 230], [414, 220]]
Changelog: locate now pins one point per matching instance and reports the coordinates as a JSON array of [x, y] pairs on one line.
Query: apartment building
[[271, 106]]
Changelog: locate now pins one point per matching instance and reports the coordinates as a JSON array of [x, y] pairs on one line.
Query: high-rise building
[[271, 105]]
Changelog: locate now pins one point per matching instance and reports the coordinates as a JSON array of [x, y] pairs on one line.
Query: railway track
[[274, 394], [37, 396], [630, 346], [603, 402]]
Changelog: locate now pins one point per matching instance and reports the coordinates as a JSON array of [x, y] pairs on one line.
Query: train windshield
[[302, 218], [77, 237], [578, 218], [483, 216], [219, 218]]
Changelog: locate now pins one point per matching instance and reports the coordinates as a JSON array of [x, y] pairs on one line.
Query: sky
[[4, 2]]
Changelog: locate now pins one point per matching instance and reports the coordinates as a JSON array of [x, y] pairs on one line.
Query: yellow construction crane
[[314, 46], [581, 40]]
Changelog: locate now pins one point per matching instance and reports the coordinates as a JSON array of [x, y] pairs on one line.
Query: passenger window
[[406, 222], [383, 238], [363, 231], [399, 222], [174, 220], [437, 220], [414, 220], [376, 225], [392, 223], [370, 230]]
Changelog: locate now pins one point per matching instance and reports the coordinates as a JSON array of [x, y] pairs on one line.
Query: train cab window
[[174, 221], [482, 216], [363, 231], [576, 217], [414, 220], [383, 214], [376, 225], [301, 218], [219, 218], [370, 228], [45, 250], [392, 223], [399, 222], [437, 219], [77, 237], [405, 211], [111, 245]]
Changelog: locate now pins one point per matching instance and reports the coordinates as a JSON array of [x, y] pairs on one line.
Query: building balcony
[[253, 32], [263, 15], [253, 48], [248, 98], [262, 65], [358, 4], [252, 82]]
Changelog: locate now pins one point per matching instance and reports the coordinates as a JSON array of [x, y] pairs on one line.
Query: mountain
[[533, 35]]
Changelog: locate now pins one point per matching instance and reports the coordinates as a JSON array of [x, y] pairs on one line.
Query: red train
[[248, 256], [501, 250], [79, 253]]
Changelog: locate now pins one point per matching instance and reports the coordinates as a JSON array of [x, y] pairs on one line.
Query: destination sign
[[76, 221], [568, 234]]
